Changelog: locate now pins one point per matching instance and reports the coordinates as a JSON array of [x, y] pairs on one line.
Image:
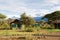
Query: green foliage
[[27, 20], [45, 25], [1, 23], [23, 27], [23, 15], [29, 29], [4, 24], [2, 16], [53, 16]]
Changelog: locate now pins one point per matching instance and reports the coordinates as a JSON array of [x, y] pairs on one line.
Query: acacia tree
[[26, 20]]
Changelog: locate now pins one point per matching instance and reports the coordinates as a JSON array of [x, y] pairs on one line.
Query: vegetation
[[45, 25], [2, 16], [53, 16], [26, 27], [4, 24], [15, 32], [26, 20]]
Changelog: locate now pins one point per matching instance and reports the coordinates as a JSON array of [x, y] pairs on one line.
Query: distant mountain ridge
[[14, 17], [37, 19]]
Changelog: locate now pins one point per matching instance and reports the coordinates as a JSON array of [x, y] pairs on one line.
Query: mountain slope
[[38, 19]]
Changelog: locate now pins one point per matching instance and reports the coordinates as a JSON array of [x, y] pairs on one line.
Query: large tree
[[26, 19]]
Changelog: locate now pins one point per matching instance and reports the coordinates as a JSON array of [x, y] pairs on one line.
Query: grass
[[51, 30], [27, 35], [36, 30], [14, 32]]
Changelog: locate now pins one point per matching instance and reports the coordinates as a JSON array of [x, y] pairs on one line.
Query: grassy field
[[52, 30], [17, 35], [41, 31]]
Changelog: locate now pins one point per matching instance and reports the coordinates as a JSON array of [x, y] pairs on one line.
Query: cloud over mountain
[[31, 7]]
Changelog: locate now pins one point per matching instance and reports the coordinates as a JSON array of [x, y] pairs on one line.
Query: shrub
[[4, 25], [29, 29], [47, 26]]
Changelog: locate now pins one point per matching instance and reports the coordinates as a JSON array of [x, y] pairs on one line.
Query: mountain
[[38, 19], [14, 17]]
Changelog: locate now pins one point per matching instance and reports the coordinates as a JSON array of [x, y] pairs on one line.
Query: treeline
[[28, 23]]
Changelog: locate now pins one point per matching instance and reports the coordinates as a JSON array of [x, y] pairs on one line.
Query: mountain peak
[[14, 17]]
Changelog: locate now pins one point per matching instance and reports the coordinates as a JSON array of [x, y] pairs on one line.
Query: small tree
[[4, 24]]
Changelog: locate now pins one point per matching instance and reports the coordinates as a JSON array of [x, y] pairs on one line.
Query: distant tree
[[2, 16], [45, 25], [27, 20], [23, 18], [4, 24], [54, 16]]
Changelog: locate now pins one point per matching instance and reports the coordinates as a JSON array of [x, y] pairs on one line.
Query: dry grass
[[7, 34]]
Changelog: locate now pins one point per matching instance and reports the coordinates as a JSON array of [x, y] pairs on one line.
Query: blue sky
[[32, 8]]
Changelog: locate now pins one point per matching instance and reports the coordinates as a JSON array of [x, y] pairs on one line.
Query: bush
[[29, 29], [4, 25], [47, 26]]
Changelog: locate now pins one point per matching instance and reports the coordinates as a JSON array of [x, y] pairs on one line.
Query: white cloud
[[36, 13], [52, 1], [19, 7], [10, 16], [56, 8]]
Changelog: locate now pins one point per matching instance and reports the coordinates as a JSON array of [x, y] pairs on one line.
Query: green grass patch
[[51, 30], [15, 32]]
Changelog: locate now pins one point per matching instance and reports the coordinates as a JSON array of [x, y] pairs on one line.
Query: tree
[[2, 16], [26, 20], [53, 18], [4, 24], [30, 21]]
